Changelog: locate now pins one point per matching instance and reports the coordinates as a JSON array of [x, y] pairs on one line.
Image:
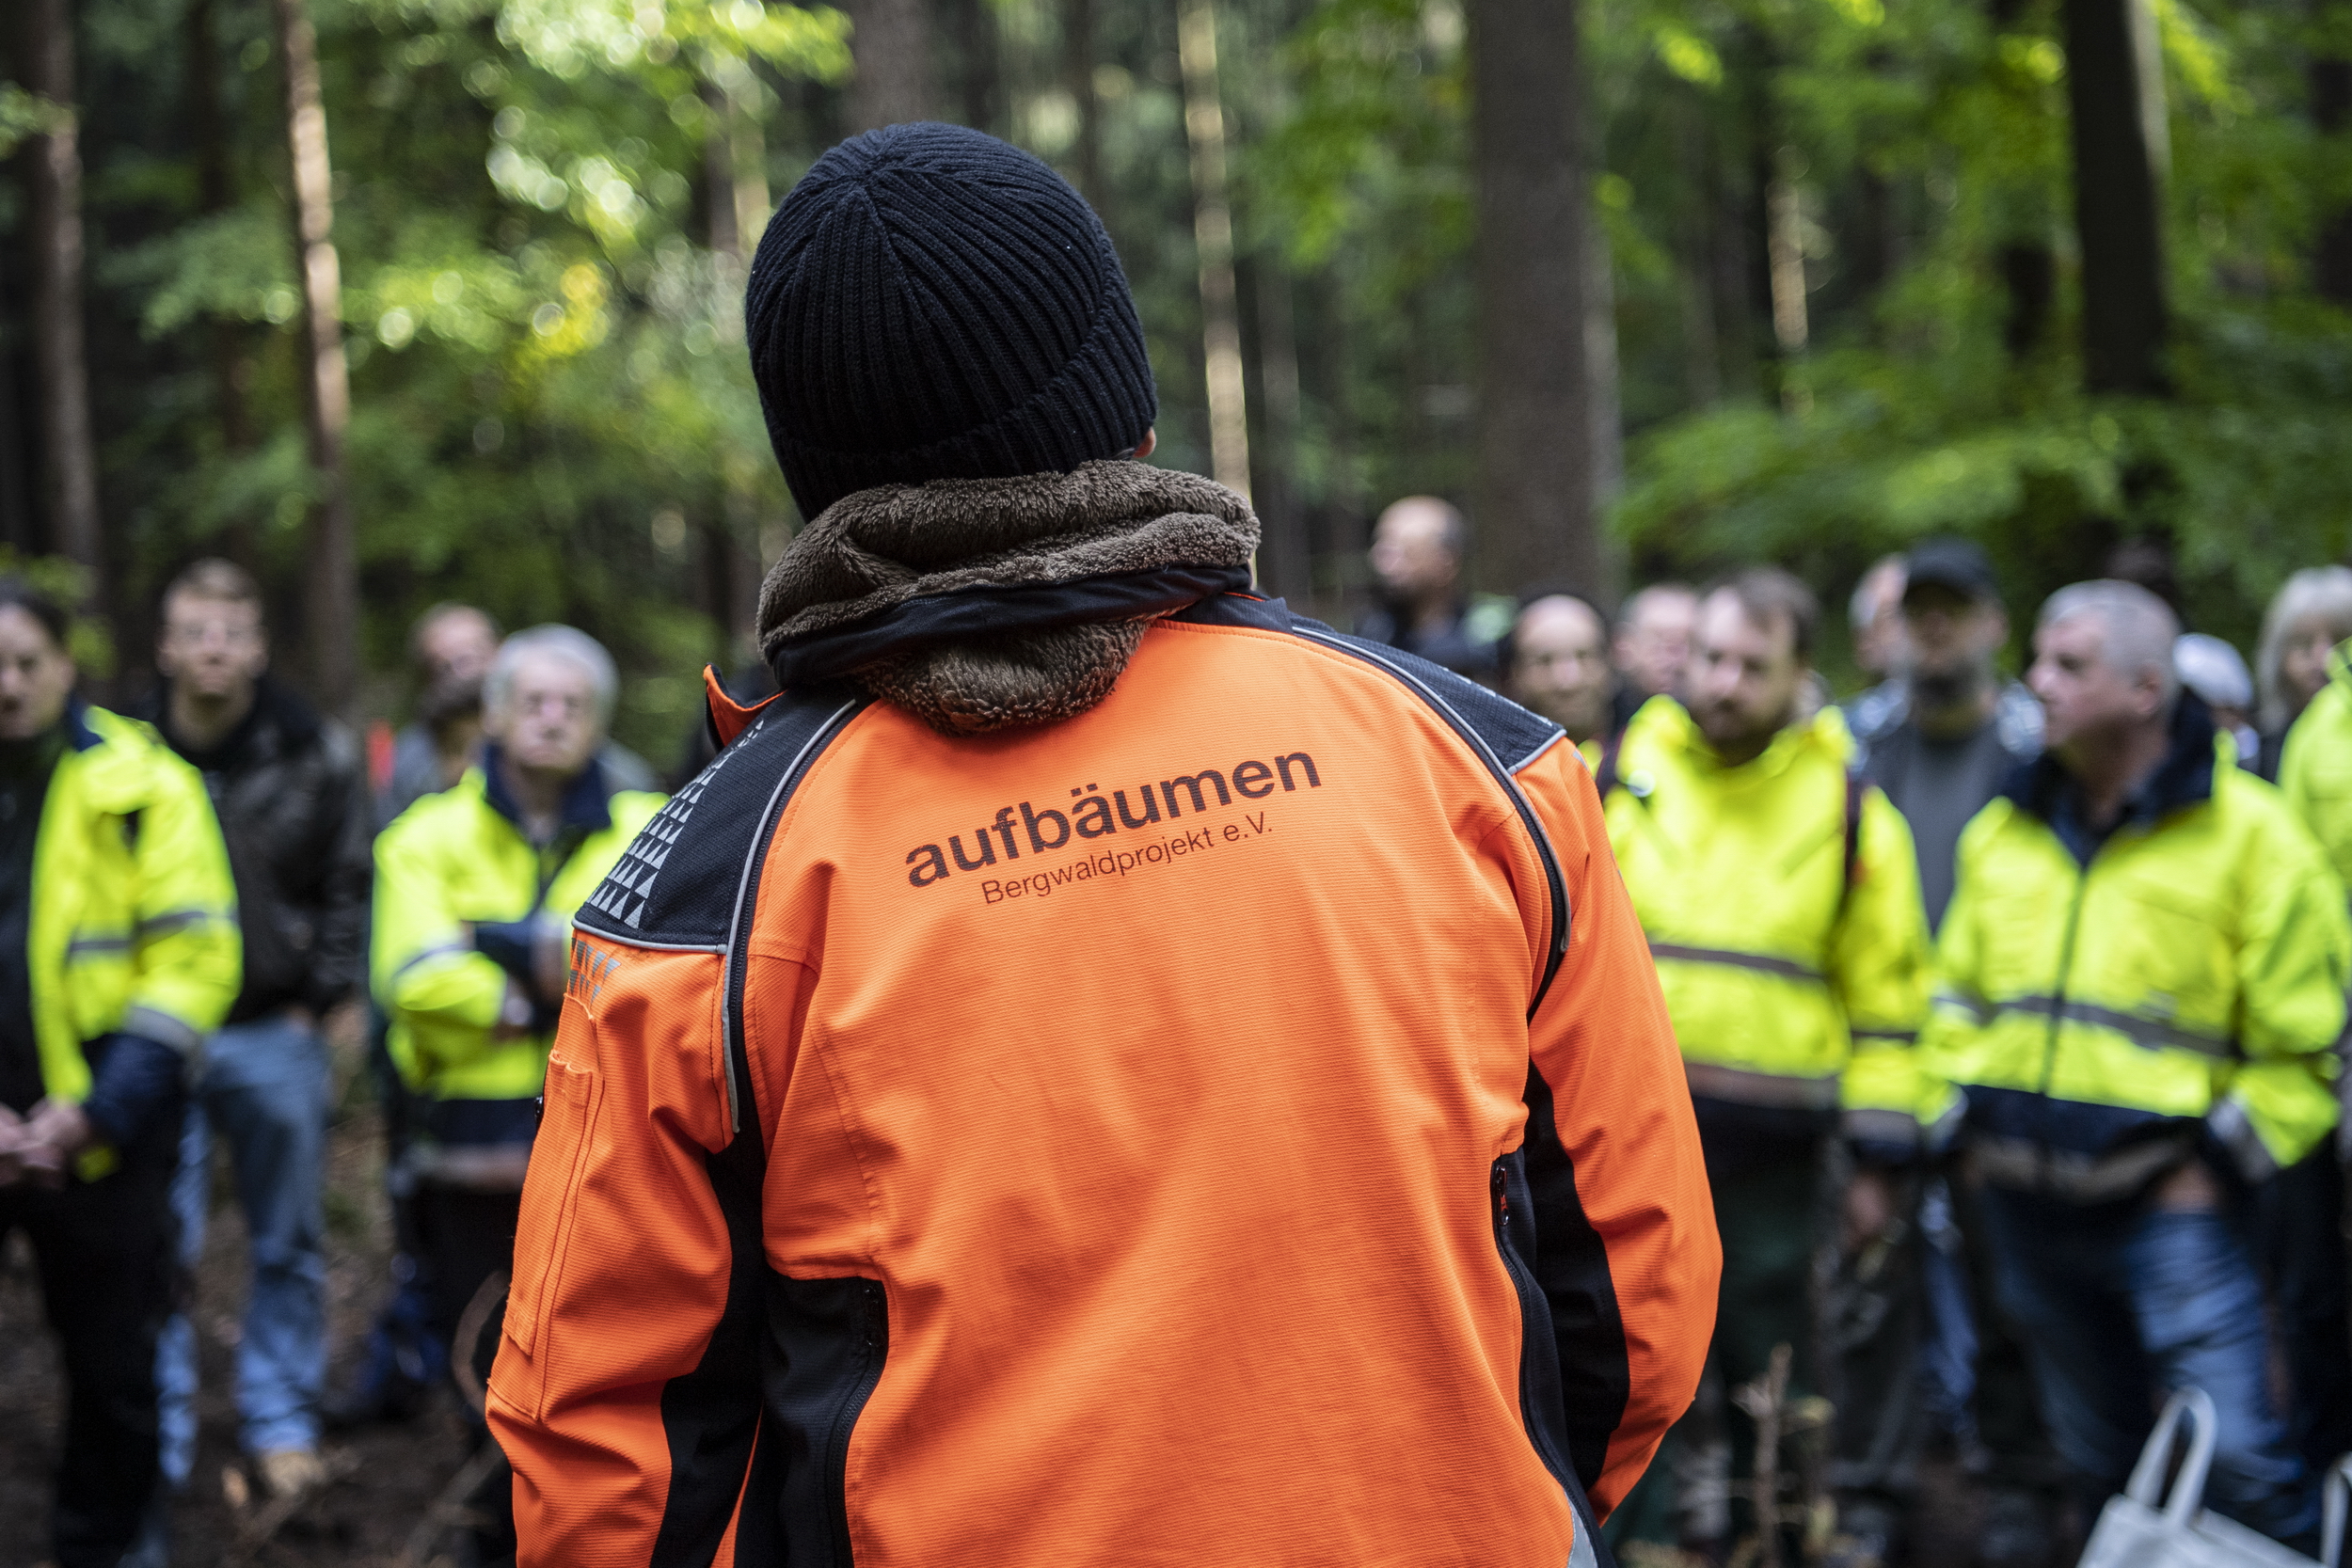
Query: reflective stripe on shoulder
[[1786, 968], [88, 947]]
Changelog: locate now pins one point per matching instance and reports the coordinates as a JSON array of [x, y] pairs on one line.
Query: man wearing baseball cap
[[1940, 753]]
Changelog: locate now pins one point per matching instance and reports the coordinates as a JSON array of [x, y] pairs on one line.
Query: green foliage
[[553, 417], [1927, 146]]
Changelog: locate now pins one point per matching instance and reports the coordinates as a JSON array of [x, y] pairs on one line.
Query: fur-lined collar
[[985, 604]]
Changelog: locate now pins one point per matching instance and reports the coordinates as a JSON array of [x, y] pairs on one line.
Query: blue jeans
[[263, 1090], [2117, 1304]]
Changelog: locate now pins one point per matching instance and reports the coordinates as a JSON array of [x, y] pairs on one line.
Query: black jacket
[[292, 793]]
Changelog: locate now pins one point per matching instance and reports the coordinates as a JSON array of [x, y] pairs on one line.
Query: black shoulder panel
[[678, 885], [1515, 735]]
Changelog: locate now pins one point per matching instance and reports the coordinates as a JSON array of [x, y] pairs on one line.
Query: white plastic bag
[[2134, 1533]]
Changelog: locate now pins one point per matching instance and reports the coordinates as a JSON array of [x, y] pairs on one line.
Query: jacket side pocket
[[543, 1234]]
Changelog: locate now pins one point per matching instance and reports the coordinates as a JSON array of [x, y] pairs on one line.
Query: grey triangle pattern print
[[629, 885]]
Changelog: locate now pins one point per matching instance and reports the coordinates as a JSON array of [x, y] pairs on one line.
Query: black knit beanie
[[932, 303]]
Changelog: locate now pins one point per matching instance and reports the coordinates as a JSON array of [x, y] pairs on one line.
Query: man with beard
[[1781, 900], [1944, 752], [1941, 749]]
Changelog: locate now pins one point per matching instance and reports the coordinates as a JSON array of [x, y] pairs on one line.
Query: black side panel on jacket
[[678, 888], [826, 1342], [711, 1415], [1572, 1263], [1541, 1406]]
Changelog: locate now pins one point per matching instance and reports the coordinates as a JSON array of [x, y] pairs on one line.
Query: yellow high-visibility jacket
[[2103, 1019], [460, 859], [1793, 979], [134, 922], [2316, 770]]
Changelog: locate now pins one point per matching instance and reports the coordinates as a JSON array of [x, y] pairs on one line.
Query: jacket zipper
[[1530, 1296], [1556, 882], [2058, 1004], [874, 1338]]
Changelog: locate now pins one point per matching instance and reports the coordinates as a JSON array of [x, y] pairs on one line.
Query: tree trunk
[[973, 25], [1601, 369], [1696, 269], [70, 464], [1213, 237], [215, 191], [734, 171], [890, 46], [1077, 77], [2332, 115], [2118, 215], [735, 162], [1285, 564], [332, 586], [1535, 462]]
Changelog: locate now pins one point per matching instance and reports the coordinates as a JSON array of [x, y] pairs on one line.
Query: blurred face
[[212, 647], [2303, 660], [2086, 701], [1879, 642], [1743, 679], [458, 646], [1559, 667], [1654, 644], [1409, 554], [548, 722], [36, 676], [1951, 635]]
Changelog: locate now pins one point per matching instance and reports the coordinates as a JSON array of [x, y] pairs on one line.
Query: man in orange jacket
[[1101, 1071]]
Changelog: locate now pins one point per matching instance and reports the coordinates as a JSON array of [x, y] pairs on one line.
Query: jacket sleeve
[[1879, 963], [188, 955], [339, 962], [1957, 1006], [626, 1388], [2293, 953], [423, 961], [1626, 1250]]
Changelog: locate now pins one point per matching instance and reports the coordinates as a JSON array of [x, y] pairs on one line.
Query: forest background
[[399, 301]]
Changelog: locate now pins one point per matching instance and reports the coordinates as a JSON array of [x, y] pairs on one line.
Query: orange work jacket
[[1236, 1125]]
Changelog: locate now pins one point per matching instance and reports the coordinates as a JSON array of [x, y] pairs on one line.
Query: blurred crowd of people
[[2012, 1009], [200, 895]]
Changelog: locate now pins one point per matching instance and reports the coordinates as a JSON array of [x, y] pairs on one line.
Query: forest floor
[[389, 1476]]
